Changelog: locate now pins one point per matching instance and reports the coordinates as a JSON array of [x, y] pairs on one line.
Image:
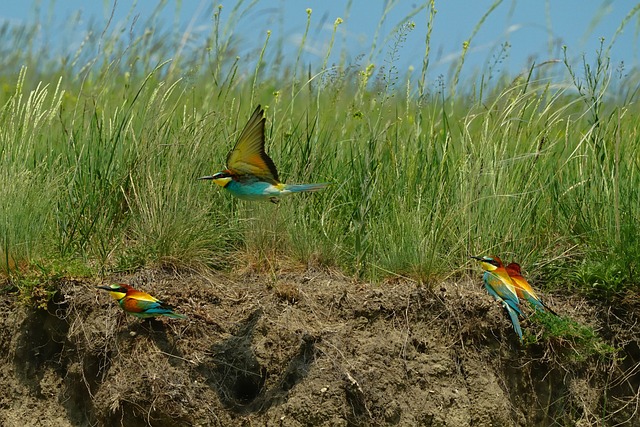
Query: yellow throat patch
[[222, 181]]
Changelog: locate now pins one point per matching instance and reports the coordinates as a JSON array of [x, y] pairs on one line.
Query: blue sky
[[535, 29]]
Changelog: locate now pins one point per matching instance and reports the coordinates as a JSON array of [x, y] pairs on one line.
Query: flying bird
[[138, 303], [250, 173], [500, 286], [524, 289]]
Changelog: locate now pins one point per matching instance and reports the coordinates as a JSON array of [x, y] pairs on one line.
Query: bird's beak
[[206, 177], [477, 257], [105, 288]]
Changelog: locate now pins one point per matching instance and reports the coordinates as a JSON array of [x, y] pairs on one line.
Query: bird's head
[[117, 291], [221, 178], [489, 263]]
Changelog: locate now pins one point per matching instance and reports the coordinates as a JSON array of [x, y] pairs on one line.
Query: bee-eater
[[138, 303], [524, 289], [250, 173], [500, 286]]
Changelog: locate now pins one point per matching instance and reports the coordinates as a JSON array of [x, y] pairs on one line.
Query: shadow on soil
[[239, 379]]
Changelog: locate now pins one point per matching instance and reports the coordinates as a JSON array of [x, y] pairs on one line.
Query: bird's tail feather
[[546, 307], [175, 315], [513, 305], [514, 320], [297, 188], [550, 310], [540, 305], [537, 304]]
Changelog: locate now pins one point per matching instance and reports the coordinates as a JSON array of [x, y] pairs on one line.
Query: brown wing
[[248, 156]]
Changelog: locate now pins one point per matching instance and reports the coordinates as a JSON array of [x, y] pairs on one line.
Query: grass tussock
[[100, 151], [563, 335]]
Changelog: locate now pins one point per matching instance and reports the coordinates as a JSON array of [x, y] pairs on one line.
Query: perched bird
[[138, 303], [250, 173], [524, 289], [500, 286]]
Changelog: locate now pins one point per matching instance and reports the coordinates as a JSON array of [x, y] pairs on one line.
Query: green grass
[[572, 340], [100, 151]]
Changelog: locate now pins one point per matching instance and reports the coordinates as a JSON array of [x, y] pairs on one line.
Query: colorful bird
[[250, 173], [500, 286], [138, 303], [524, 289]]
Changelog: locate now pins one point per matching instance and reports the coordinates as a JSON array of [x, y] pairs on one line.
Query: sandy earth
[[306, 348]]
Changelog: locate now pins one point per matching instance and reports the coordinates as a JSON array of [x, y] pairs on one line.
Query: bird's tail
[[298, 188], [536, 303], [546, 307], [540, 305], [550, 310], [514, 319], [175, 315]]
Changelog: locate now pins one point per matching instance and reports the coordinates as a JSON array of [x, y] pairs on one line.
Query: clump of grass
[[38, 283], [574, 340]]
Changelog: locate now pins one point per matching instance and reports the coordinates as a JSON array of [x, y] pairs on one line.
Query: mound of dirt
[[306, 348]]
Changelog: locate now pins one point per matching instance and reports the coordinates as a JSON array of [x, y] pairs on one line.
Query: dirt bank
[[307, 348]]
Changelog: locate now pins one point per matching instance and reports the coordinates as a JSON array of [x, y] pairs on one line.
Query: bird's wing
[[133, 305], [489, 288], [526, 288], [508, 304], [503, 286], [529, 293], [140, 296], [248, 156]]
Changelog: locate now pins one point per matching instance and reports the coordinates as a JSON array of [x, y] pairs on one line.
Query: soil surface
[[307, 348]]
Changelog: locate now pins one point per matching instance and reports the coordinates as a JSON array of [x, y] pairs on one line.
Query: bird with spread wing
[[250, 173]]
